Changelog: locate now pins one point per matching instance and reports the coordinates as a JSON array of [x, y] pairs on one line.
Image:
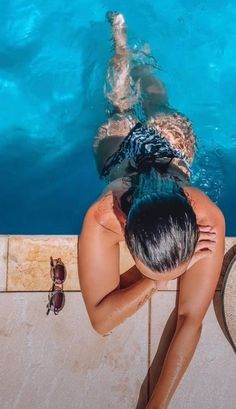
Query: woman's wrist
[[152, 283]]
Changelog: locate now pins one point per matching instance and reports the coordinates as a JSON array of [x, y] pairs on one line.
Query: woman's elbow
[[100, 325], [100, 329]]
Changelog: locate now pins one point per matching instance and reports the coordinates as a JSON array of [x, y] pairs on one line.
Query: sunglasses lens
[[56, 300], [58, 274]]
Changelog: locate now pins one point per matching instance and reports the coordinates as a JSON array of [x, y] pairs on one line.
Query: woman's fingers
[[205, 227], [205, 244], [206, 232], [207, 236], [206, 240]]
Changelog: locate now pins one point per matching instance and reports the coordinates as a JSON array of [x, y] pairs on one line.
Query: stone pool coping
[[24, 261]]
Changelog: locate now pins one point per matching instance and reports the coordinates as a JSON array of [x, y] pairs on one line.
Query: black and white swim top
[[144, 144]]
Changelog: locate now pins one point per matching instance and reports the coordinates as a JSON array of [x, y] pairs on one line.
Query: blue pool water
[[53, 59]]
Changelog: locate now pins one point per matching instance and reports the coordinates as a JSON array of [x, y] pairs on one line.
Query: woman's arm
[[197, 288], [106, 302], [121, 304]]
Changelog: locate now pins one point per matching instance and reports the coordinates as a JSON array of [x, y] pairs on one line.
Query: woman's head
[[161, 230]]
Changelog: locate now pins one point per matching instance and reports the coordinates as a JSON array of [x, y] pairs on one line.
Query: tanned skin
[[109, 303], [110, 298]]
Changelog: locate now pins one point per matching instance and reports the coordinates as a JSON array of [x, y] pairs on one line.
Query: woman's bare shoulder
[[101, 217], [99, 210], [105, 207], [206, 210]]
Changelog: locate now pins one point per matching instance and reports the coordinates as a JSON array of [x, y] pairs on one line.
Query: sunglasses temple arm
[[49, 306], [50, 301], [51, 261]]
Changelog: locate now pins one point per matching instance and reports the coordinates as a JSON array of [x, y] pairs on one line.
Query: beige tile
[[230, 242], [61, 362], [3, 262], [28, 261], [209, 381]]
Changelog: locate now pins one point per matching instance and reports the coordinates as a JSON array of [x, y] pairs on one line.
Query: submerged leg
[[122, 94], [154, 94]]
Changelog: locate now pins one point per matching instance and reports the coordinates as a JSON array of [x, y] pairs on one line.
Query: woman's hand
[[205, 245]]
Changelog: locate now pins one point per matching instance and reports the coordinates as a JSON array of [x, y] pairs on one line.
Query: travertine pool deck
[[61, 362]]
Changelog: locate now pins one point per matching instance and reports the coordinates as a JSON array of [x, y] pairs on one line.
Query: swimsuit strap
[[143, 141]]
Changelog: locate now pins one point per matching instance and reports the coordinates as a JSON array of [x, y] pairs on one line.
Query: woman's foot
[[115, 18], [117, 22]]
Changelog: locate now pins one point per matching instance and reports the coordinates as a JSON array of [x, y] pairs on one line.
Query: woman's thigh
[[153, 90], [110, 135], [175, 126], [177, 129]]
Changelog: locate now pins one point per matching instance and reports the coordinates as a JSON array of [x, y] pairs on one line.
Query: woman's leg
[[172, 124], [124, 92], [177, 129], [121, 95], [175, 126], [154, 94]]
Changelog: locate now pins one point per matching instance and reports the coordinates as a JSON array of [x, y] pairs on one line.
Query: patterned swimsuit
[[145, 143]]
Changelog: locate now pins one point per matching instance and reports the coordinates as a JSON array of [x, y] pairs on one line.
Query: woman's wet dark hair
[[161, 229]]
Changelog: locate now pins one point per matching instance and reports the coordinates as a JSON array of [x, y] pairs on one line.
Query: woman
[[171, 228]]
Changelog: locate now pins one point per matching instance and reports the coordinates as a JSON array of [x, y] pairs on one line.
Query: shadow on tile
[[157, 363], [143, 392]]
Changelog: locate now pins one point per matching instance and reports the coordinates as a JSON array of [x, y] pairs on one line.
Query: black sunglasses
[[56, 294]]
